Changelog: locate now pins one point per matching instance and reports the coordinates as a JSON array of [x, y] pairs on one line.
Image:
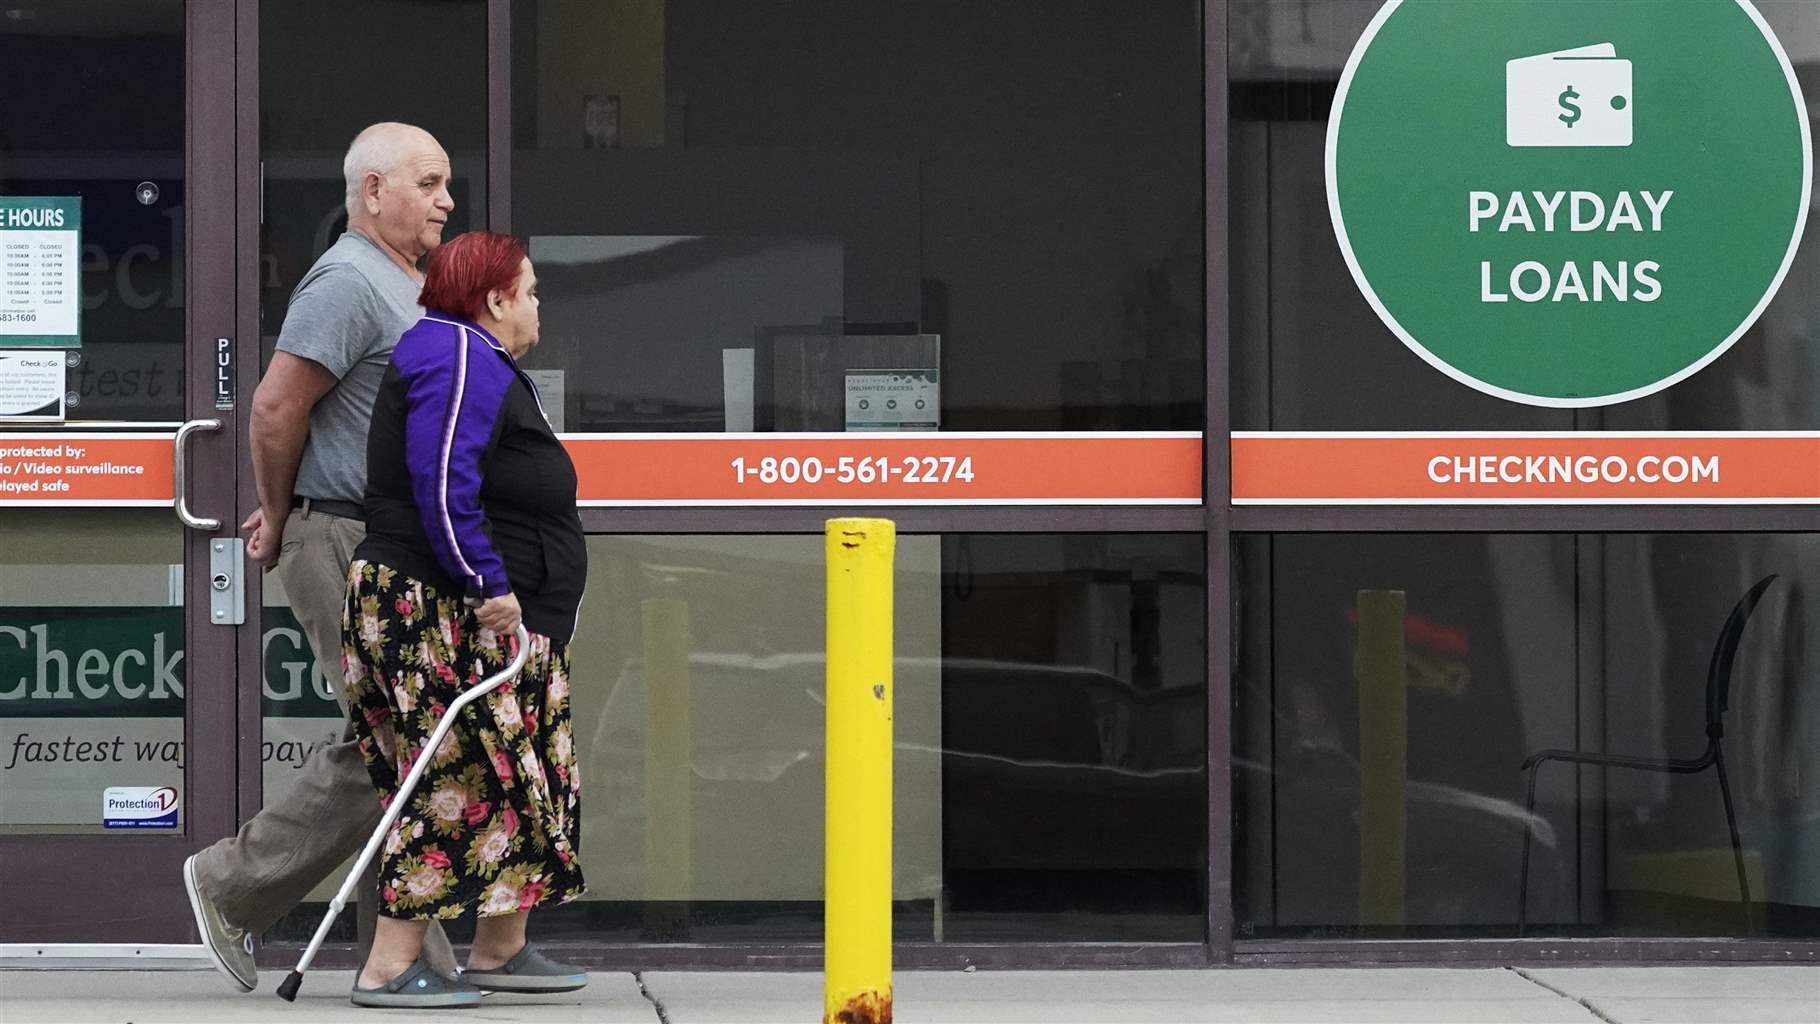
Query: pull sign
[[224, 374]]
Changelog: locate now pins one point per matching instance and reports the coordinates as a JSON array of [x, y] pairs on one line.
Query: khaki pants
[[257, 876]]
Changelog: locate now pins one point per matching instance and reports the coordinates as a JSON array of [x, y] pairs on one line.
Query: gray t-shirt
[[347, 314]]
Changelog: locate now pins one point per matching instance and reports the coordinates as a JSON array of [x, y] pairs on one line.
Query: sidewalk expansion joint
[[1533, 980], [656, 1004]]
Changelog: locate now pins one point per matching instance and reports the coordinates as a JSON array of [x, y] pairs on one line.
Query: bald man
[[309, 442]]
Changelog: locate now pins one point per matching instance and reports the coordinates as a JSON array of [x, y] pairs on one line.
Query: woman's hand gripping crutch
[[287, 989]]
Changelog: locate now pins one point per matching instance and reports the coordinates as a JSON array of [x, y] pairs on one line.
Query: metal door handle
[[180, 475]]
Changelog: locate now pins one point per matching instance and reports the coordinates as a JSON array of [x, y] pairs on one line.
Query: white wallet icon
[[1578, 97]]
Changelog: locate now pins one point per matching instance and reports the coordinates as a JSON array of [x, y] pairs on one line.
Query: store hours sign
[[40, 276], [1569, 204]]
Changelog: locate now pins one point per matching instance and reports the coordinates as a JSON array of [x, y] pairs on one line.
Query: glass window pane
[[103, 121], [91, 664], [739, 212], [307, 120], [309, 117], [1050, 723], [1304, 339], [91, 600], [1365, 760], [1050, 733]]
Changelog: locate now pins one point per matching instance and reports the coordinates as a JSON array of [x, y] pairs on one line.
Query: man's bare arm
[[280, 425]]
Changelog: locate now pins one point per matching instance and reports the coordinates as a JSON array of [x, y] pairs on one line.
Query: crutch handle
[[522, 638]]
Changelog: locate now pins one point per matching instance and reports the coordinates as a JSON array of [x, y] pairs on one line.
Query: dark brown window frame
[[1226, 522], [1217, 521]]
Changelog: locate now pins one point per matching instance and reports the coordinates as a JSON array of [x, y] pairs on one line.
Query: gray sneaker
[[529, 971], [418, 987], [231, 948]]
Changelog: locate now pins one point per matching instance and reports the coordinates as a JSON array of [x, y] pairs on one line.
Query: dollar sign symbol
[[1566, 99]]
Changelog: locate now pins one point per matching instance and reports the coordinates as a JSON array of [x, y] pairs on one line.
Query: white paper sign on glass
[[32, 385], [894, 400], [40, 282]]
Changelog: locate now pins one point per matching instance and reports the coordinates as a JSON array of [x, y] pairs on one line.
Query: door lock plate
[[227, 581]]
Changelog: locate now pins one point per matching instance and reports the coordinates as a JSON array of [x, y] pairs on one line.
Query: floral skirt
[[494, 823]]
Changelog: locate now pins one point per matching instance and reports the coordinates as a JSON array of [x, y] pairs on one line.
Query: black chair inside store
[[1718, 695]]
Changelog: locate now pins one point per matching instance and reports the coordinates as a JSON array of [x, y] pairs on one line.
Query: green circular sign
[[1569, 204]]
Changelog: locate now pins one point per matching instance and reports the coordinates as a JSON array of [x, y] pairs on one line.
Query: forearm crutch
[[287, 989]]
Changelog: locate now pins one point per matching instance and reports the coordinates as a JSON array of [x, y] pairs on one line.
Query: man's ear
[[369, 191]]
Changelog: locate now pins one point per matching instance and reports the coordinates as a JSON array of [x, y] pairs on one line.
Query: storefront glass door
[[120, 575]]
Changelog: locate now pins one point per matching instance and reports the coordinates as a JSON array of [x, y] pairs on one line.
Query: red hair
[[463, 272]]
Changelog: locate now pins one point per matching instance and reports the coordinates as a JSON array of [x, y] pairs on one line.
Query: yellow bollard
[[1383, 759], [857, 968], [668, 777]]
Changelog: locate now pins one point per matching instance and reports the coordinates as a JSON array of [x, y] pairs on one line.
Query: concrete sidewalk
[[1594, 995]]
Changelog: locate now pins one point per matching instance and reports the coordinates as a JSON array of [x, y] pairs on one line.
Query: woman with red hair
[[471, 529]]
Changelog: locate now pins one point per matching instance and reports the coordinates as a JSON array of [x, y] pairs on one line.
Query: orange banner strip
[[1579, 468], [85, 469], [1058, 468], [715, 469], [877, 468]]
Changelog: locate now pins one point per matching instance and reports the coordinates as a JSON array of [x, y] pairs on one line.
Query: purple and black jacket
[[468, 488]]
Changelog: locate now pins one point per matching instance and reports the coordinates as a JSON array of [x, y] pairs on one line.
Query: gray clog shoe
[[418, 988], [529, 971]]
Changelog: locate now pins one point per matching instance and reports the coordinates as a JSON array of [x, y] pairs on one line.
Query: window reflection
[[1050, 736], [1512, 645], [1050, 730], [1303, 335], [308, 118], [844, 188], [104, 111]]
